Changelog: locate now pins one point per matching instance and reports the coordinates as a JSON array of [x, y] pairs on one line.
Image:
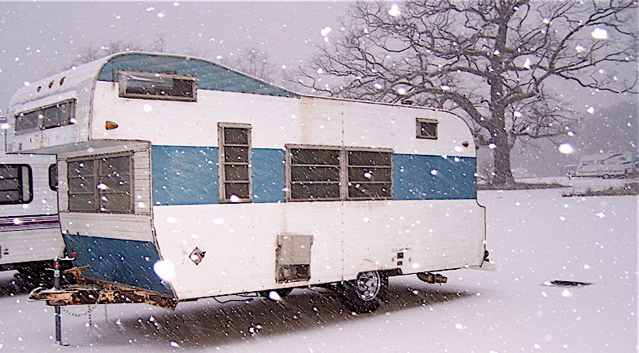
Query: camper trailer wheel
[[366, 293]]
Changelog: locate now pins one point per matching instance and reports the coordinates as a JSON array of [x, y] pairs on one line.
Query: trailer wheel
[[366, 293]]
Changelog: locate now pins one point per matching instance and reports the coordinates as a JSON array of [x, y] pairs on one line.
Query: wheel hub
[[368, 285]]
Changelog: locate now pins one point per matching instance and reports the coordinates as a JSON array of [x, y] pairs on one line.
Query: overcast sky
[[41, 38], [38, 39]]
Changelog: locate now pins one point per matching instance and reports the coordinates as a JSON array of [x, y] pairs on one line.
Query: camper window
[[59, 114], [53, 177], [314, 173], [100, 184], [151, 85], [332, 173], [15, 184], [427, 128], [369, 175], [235, 162]]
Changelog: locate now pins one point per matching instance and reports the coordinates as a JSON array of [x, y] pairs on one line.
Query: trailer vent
[[293, 258]]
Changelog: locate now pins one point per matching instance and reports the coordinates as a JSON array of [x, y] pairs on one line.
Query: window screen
[[333, 173], [369, 174], [56, 115], [100, 184], [235, 162], [315, 174]]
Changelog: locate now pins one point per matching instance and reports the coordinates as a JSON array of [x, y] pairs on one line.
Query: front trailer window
[[100, 184], [55, 115]]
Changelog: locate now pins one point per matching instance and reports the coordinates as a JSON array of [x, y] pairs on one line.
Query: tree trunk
[[501, 151]]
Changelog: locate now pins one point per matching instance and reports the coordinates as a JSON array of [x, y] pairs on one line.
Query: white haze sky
[[41, 38]]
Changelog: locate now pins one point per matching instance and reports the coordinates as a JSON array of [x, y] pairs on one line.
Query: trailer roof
[[210, 75]]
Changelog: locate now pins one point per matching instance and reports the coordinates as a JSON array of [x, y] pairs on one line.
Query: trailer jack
[[91, 294], [429, 277]]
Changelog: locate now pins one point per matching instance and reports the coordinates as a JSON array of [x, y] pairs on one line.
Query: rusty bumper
[[95, 294]]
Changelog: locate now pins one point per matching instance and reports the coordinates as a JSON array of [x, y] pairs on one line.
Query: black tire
[[366, 293]]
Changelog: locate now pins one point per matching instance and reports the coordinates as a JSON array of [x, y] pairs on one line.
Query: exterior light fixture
[[110, 125]]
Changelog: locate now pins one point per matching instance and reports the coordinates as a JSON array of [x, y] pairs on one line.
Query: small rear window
[[427, 128]]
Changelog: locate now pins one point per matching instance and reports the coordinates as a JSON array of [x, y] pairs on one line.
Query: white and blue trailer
[[182, 179]]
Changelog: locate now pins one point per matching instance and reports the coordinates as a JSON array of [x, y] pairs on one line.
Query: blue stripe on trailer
[[269, 179], [184, 175], [419, 177], [187, 175], [128, 262]]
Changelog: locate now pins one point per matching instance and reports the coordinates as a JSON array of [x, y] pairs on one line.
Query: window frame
[[290, 166], [98, 176], [419, 130], [387, 167], [344, 172], [41, 116], [223, 164], [20, 167], [122, 86]]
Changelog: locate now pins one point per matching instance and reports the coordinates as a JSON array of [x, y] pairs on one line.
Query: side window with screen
[[235, 162], [326, 173]]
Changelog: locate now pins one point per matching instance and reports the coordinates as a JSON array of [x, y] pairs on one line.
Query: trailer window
[[333, 173], [235, 162], [16, 184], [427, 128], [100, 184], [56, 115], [369, 175], [314, 174], [153, 85], [53, 177]]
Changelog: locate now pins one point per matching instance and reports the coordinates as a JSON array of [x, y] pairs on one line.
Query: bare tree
[[253, 62], [491, 61], [91, 52]]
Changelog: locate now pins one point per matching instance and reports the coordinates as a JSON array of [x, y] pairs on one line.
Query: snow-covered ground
[[537, 236]]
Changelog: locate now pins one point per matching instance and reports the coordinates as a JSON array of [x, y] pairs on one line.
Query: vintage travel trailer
[[30, 235], [606, 165], [182, 179]]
